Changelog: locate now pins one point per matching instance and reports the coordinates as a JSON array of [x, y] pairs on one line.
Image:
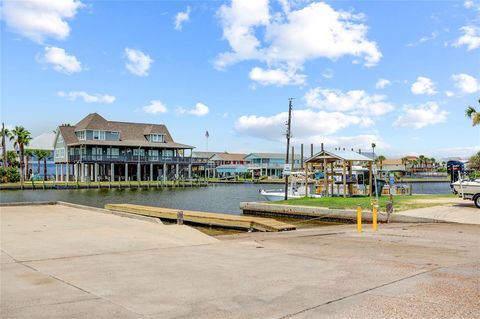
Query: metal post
[[359, 219], [151, 171], [301, 156], [126, 171]]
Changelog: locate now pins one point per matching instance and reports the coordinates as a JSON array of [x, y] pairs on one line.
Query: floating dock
[[204, 218]]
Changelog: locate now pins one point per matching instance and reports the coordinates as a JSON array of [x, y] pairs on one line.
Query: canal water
[[221, 198]]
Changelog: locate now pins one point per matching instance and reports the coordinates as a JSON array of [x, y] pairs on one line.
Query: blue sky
[[397, 73]]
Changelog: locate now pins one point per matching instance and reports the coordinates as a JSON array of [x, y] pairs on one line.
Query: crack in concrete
[[291, 315]]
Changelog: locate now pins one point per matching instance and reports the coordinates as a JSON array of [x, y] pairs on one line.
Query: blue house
[[270, 164]]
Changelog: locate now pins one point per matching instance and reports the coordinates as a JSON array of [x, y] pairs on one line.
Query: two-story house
[[95, 149]]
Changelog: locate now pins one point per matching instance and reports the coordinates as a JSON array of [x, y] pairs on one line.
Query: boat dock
[[204, 218]]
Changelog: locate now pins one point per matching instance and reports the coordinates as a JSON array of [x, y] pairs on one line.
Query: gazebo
[[325, 161]]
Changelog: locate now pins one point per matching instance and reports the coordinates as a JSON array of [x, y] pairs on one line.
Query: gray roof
[[203, 154], [341, 155], [131, 134]]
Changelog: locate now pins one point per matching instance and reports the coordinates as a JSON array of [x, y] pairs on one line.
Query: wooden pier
[[204, 218]]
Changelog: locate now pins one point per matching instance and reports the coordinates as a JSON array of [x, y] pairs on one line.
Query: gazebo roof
[[332, 156]]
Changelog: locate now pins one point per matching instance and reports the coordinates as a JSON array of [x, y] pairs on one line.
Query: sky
[[395, 73]]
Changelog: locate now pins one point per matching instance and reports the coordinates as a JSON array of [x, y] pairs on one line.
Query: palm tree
[[42, 155], [472, 113], [405, 162], [5, 133], [21, 138], [380, 159], [12, 158], [28, 155], [422, 160]]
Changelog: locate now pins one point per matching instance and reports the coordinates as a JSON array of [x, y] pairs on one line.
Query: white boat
[[468, 190], [296, 189], [467, 187]]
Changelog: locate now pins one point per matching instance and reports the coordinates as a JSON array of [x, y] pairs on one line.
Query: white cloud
[[37, 20], [305, 123], [362, 141], [328, 73], [470, 37], [181, 18], [468, 4], [61, 60], [200, 109], [382, 83], [155, 107], [449, 93], [138, 63], [354, 101], [421, 116], [423, 85], [292, 37], [466, 83], [87, 98], [276, 77]]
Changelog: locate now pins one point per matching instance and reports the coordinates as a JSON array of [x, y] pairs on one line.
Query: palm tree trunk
[[22, 165], [4, 152], [44, 168], [38, 166], [26, 167]]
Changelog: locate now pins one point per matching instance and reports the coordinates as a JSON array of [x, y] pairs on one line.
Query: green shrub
[[9, 175]]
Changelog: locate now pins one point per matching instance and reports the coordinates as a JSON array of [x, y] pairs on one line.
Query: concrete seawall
[[267, 209]]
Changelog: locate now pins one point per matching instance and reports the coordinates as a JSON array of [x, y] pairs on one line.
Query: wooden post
[[344, 179], [350, 186], [333, 174], [306, 180], [325, 176], [301, 156]]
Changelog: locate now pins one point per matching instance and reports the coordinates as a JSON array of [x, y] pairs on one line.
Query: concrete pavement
[[58, 262], [456, 211]]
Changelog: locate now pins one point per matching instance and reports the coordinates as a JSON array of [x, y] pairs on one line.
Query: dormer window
[[99, 135], [156, 138]]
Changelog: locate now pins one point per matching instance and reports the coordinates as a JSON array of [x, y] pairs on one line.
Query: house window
[[113, 152], [137, 152], [81, 135], [99, 135], [59, 152], [157, 138]]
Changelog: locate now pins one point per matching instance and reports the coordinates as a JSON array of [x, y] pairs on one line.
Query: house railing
[[131, 158]]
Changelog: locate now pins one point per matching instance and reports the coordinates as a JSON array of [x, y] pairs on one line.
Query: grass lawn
[[400, 202]]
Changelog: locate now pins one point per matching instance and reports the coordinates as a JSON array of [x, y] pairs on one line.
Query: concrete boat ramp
[[60, 261]]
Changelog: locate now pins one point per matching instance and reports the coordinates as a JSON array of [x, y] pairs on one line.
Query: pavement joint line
[[291, 315], [83, 290], [319, 235], [112, 253]]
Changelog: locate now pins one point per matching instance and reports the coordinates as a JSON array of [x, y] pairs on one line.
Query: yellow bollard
[[359, 219], [374, 218]]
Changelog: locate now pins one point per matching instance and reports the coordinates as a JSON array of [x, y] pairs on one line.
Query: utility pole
[[289, 123]]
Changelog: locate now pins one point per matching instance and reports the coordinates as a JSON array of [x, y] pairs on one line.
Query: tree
[[421, 160], [21, 138], [5, 133], [405, 161], [12, 158], [474, 162], [380, 159], [472, 114], [28, 155], [42, 155]]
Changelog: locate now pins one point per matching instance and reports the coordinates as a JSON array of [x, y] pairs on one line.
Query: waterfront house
[[211, 164], [95, 149], [270, 164]]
